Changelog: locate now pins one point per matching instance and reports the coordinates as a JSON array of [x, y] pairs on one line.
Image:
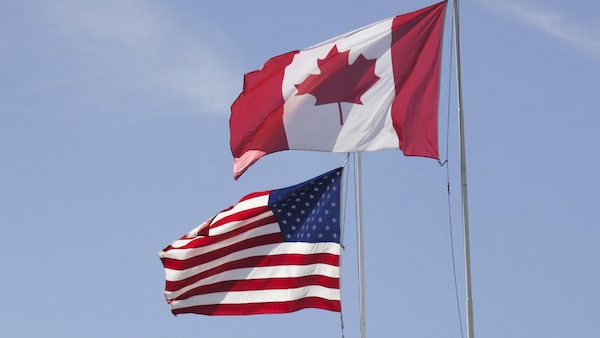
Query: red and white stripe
[[242, 267]]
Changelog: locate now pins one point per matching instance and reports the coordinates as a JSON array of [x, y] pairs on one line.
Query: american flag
[[275, 251]]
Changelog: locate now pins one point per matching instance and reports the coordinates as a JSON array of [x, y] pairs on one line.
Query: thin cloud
[[585, 36], [109, 56]]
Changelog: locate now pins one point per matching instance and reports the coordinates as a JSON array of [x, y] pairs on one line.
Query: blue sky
[[114, 141]]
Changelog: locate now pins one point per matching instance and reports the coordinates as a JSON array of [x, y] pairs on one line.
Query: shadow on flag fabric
[[373, 88], [274, 251]]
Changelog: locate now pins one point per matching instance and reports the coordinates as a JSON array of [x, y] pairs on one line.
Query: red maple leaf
[[340, 81]]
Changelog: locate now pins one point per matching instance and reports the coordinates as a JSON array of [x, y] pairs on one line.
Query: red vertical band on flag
[[416, 41], [402, 115], [256, 121]]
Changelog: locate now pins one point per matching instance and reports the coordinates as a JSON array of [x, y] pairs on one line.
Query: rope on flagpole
[[345, 201], [463, 177], [462, 334], [445, 162], [343, 209], [361, 254], [450, 61], [343, 193]]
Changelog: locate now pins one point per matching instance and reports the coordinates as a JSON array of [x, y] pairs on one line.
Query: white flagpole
[[463, 177], [361, 255]]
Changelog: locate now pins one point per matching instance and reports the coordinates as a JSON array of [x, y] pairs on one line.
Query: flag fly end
[[242, 163]]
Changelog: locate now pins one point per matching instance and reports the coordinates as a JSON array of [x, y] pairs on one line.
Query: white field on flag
[[366, 126], [238, 263], [374, 88]]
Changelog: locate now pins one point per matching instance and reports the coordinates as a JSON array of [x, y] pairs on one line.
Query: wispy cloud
[[579, 33], [105, 57]]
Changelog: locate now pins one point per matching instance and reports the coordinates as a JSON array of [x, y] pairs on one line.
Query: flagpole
[[463, 177], [361, 255]]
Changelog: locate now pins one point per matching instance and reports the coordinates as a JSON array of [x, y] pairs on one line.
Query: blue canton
[[309, 211]]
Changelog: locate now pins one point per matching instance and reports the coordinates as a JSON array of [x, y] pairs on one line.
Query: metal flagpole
[[361, 255], [463, 176]]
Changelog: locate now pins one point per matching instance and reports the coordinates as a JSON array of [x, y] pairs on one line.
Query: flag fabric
[[373, 88], [274, 251]]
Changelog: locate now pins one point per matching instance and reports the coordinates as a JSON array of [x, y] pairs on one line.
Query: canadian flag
[[370, 89]]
